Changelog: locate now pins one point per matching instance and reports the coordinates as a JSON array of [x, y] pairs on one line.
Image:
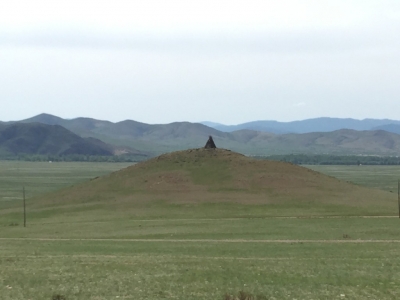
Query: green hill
[[214, 179], [42, 139]]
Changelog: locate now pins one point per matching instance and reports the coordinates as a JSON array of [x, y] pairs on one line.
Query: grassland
[[43, 177], [381, 177], [129, 248]]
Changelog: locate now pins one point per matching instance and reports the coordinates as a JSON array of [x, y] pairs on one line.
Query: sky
[[162, 61]]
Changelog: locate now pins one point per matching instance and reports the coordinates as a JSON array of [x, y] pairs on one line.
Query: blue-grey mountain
[[306, 126], [160, 138]]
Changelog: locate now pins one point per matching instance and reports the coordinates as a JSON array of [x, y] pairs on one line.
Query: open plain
[[197, 224]]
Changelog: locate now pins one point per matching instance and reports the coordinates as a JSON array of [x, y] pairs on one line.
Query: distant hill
[[394, 128], [343, 141], [157, 139], [43, 139], [306, 126], [161, 138]]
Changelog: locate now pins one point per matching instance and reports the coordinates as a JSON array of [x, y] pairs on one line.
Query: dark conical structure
[[210, 143]]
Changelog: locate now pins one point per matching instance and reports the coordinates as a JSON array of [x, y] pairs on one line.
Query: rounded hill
[[200, 176]]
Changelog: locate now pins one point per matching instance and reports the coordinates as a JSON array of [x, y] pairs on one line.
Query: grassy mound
[[219, 182]]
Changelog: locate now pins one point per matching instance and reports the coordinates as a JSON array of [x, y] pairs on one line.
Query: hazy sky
[[159, 61]]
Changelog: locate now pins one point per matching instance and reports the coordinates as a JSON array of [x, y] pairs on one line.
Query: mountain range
[[311, 125], [347, 136]]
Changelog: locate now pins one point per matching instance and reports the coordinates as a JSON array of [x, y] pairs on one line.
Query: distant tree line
[[74, 157], [327, 159]]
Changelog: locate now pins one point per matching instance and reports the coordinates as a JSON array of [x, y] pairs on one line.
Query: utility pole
[[23, 194], [398, 194]]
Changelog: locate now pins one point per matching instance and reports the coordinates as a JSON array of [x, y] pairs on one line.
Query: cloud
[[300, 104], [289, 42]]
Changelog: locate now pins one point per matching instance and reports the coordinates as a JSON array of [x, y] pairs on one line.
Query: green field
[[162, 250], [381, 177], [42, 177]]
